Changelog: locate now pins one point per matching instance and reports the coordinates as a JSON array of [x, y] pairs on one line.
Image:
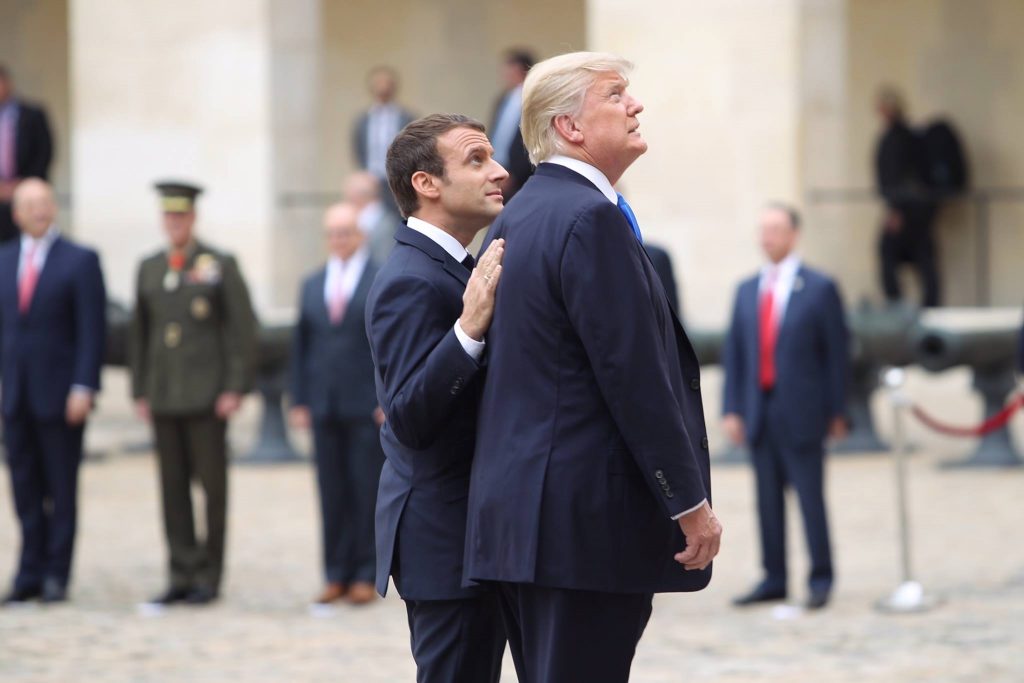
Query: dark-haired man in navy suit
[[591, 486], [333, 392], [52, 330], [426, 317], [26, 148], [786, 364]]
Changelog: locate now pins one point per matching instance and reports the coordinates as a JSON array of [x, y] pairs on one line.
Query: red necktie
[[767, 332], [29, 278], [337, 302]]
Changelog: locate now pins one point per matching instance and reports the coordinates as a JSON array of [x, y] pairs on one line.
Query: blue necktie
[[631, 217]]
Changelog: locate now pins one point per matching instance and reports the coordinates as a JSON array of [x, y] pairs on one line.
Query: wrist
[[471, 331]]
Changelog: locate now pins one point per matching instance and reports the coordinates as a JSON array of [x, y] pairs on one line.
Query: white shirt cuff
[[693, 509], [82, 389], [473, 348]]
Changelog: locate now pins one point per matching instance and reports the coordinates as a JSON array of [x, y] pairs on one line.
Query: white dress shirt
[[785, 274], [600, 180], [382, 125], [42, 247], [348, 273], [473, 348]]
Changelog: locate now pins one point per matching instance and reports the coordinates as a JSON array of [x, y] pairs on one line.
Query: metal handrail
[[981, 198]]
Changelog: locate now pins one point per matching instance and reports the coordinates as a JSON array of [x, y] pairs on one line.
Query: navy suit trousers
[[43, 457], [457, 640], [348, 463], [558, 635], [779, 463]]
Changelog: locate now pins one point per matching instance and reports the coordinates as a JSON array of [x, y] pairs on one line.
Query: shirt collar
[[785, 269], [357, 259], [443, 239], [44, 242], [591, 173]]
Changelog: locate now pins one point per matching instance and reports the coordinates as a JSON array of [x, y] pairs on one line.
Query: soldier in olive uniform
[[192, 344]]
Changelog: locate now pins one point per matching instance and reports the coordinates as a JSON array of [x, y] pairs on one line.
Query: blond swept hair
[[555, 87]]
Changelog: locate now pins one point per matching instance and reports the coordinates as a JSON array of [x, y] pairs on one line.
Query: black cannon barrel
[[941, 349], [708, 345], [881, 337], [272, 352]]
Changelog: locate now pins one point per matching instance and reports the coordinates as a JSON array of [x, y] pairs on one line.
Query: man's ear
[[425, 185], [566, 127]]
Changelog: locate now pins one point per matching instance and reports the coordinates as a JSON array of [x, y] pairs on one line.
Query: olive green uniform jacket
[[193, 334]]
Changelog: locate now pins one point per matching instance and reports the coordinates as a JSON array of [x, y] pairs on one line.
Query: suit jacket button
[[695, 383], [704, 443], [664, 486], [669, 494], [658, 474]]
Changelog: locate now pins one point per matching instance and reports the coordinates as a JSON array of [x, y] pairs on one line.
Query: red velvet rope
[[997, 421]]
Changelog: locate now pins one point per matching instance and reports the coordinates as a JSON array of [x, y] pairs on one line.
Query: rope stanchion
[[993, 423], [910, 595]]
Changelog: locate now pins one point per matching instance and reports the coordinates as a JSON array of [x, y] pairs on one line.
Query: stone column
[[195, 90], [720, 83]]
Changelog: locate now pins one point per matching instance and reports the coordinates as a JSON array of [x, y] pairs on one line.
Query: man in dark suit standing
[[377, 126], [786, 363], [333, 391], [426, 317], [509, 150], [52, 329], [591, 469], [907, 226], [26, 148]]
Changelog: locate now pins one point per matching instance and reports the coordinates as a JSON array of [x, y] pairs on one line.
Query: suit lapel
[[9, 286], [751, 303], [47, 274], [407, 235], [456, 270], [318, 295], [796, 298], [357, 302], [363, 286]]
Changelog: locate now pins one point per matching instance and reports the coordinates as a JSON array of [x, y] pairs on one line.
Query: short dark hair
[[788, 209], [415, 149], [524, 59]]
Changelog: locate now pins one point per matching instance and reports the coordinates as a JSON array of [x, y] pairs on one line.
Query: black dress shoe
[[54, 591], [759, 595], [21, 595], [201, 596], [171, 596], [817, 599]]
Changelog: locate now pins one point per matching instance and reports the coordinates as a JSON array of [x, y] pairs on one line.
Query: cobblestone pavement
[[967, 549]]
